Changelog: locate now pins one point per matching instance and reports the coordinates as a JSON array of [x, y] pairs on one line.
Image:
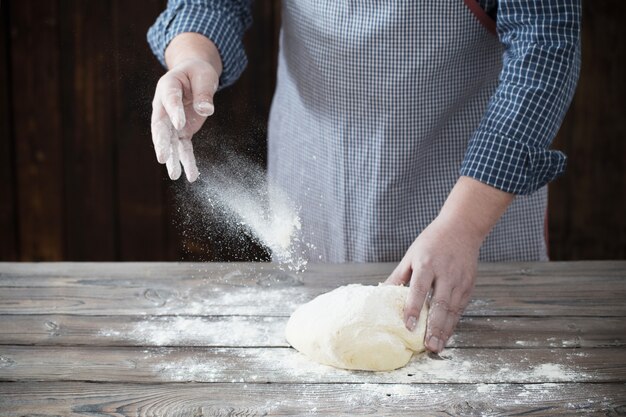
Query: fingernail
[[435, 343], [411, 323], [204, 108], [192, 174]]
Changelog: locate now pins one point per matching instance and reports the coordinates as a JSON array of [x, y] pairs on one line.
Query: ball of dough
[[357, 327]]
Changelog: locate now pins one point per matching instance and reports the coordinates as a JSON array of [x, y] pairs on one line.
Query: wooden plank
[[246, 331], [8, 207], [233, 331], [577, 289], [51, 399], [285, 365], [586, 211], [514, 274], [38, 134], [87, 85], [140, 180], [157, 300], [539, 332]]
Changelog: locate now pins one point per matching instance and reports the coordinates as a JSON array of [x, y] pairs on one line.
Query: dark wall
[[78, 176], [588, 204]]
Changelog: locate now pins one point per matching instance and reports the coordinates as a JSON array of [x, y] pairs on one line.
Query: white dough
[[357, 327]]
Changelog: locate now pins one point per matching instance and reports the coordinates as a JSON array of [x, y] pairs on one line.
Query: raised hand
[[183, 100]]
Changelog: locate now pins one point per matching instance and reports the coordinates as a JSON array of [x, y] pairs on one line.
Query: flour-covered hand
[[183, 100]]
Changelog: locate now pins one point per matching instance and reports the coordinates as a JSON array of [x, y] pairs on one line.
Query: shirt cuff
[[220, 26], [509, 165]]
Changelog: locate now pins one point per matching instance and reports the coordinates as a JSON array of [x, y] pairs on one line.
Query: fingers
[[173, 124], [163, 125], [172, 100], [421, 282], [163, 134], [187, 159], [203, 87], [437, 319], [168, 123], [173, 164], [446, 308]]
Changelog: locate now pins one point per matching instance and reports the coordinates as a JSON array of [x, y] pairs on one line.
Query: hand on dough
[[443, 260]]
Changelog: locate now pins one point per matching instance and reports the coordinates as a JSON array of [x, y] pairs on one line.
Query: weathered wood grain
[[547, 350], [285, 365], [68, 330], [534, 289], [180, 300], [513, 274], [52, 399], [251, 331]]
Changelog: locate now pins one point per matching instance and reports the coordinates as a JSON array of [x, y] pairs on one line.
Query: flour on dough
[[357, 327]]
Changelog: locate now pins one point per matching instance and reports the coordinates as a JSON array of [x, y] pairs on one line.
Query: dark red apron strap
[[482, 16]]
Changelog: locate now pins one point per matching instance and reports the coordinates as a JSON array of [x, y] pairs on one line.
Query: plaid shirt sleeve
[[222, 21], [541, 62]]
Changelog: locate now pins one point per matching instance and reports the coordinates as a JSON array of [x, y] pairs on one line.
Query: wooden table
[[207, 340]]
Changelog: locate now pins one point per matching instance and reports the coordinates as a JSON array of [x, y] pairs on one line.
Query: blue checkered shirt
[[509, 149]]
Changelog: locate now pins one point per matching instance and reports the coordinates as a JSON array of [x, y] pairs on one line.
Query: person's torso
[[373, 111]]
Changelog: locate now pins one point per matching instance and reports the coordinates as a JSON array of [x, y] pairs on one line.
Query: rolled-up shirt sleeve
[[224, 22], [541, 63]]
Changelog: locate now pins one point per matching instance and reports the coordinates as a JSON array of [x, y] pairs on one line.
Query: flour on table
[[357, 327]]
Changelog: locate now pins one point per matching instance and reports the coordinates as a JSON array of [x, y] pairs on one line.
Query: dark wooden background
[[78, 176]]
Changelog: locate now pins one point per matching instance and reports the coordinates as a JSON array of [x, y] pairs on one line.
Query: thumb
[[203, 86]]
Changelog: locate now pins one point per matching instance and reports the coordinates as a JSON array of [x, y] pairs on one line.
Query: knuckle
[[456, 312], [440, 304], [422, 286], [172, 100], [398, 275], [420, 289], [165, 79], [208, 70], [412, 310], [467, 293], [424, 263]]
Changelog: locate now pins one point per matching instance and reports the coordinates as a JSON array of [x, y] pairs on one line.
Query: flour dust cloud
[[237, 193]]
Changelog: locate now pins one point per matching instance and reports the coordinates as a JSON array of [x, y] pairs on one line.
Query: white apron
[[374, 107]]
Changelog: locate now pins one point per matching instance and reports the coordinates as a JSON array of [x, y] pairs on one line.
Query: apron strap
[[482, 16]]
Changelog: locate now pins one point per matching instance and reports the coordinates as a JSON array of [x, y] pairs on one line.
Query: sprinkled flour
[[203, 331], [238, 190], [279, 364]]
